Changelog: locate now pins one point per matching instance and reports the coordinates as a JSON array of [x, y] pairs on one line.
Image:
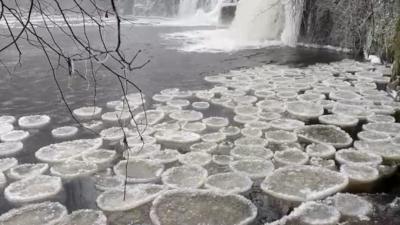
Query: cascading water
[[266, 20], [188, 8]]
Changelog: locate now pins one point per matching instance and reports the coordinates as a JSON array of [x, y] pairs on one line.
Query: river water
[[30, 89]]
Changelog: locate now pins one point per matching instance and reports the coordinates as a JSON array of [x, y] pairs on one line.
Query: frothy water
[[258, 23]]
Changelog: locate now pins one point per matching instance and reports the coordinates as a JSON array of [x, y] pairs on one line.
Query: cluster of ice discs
[[301, 135]]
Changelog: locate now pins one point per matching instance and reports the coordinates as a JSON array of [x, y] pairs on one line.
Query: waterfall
[[188, 8], [267, 20], [293, 17]]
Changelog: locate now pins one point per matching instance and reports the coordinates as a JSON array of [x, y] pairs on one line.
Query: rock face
[[359, 25]]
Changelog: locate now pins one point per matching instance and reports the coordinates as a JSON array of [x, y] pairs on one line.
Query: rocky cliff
[[365, 26]]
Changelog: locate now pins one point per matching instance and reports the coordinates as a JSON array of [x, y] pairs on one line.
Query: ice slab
[[23, 171], [253, 168], [85, 217], [185, 177], [33, 189], [136, 195], [8, 149], [139, 170], [64, 132], [326, 134], [87, 113], [231, 183], [201, 207], [303, 183], [46, 213]]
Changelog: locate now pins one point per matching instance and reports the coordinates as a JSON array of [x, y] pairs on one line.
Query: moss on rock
[[396, 51]]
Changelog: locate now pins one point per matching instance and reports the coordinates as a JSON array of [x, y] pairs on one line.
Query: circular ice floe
[[181, 103], [45, 213], [311, 97], [215, 123], [258, 125], [149, 117], [208, 147], [314, 213], [104, 182], [290, 157], [64, 132], [231, 132], [359, 174], [14, 136], [7, 163], [7, 119], [136, 195], [177, 139], [73, 169], [359, 112], [251, 152], [231, 183], [139, 170], [195, 127], [303, 183], [222, 160], [134, 99], [248, 141], [246, 110], [167, 109], [351, 205], [184, 177], [136, 140], [166, 156], [304, 111], [344, 95], [268, 116], [339, 120], [201, 207], [116, 118], [195, 158], [381, 119], [243, 119], [201, 105], [162, 98], [186, 115], [251, 132], [245, 99], [60, 152], [8, 149], [5, 128], [387, 150], [392, 129], [142, 151], [253, 168], [272, 106], [287, 124], [324, 151], [372, 136], [324, 163], [87, 113], [280, 137], [94, 125], [115, 134], [34, 121], [85, 216], [215, 137], [101, 157], [23, 171], [33, 189], [326, 134]]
